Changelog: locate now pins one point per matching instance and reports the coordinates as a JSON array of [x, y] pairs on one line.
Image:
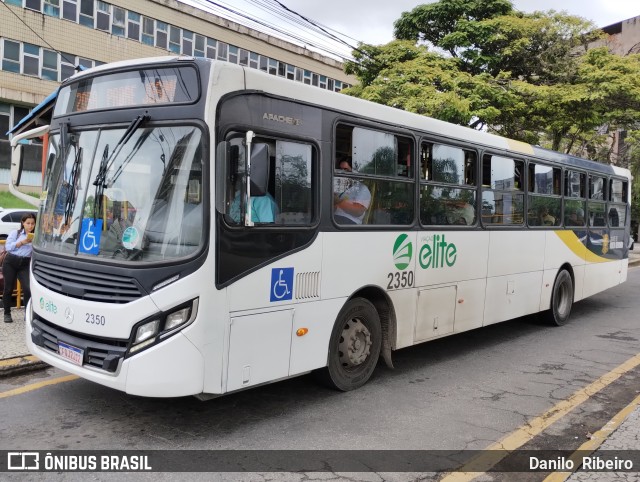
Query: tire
[[561, 299], [354, 346]]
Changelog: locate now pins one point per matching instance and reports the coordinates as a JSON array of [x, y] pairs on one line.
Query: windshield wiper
[[107, 161], [71, 194]]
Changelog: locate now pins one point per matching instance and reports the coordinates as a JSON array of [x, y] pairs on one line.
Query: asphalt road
[[460, 393]]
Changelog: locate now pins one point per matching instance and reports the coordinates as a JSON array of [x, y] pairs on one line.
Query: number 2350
[[95, 319], [400, 280]]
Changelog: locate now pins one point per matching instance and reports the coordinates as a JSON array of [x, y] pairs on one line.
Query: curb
[[20, 364]]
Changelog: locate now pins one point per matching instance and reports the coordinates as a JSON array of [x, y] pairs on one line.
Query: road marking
[[597, 439], [15, 361], [497, 451], [37, 386]]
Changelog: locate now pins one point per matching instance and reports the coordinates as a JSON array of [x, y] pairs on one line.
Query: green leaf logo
[[402, 252]]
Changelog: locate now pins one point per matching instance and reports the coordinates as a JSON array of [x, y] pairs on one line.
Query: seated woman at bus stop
[[16, 263]]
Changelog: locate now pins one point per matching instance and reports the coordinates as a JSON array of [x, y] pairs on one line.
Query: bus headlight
[[177, 318], [146, 331]]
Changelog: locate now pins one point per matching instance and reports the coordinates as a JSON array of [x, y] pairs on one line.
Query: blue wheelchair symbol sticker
[[281, 284], [90, 237]]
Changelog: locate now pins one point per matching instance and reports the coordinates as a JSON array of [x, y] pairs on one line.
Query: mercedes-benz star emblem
[[68, 315]]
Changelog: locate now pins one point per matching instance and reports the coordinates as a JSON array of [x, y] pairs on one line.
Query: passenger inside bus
[[546, 219], [263, 207], [352, 197]]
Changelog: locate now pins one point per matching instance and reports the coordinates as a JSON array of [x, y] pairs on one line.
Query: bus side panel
[[276, 284], [512, 296], [564, 246], [311, 350], [470, 299], [515, 274], [601, 276], [352, 260]]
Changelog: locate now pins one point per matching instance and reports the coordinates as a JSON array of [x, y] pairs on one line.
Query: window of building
[[545, 203], [49, 65], [52, 8], [86, 63], [233, 54], [299, 73], [254, 58], [264, 62], [67, 66], [282, 69], [161, 34], [211, 48], [306, 77], [17, 3], [187, 42], [199, 46], [70, 10], [222, 51], [315, 79], [133, 25], [338, 86], [291, 72], [273, 66], [86, 13], [323, 82], [11, 56], [148, 29], [103, 19], [31, 59], [33, 5], [502, 193], [330, 84], [118, 24], [243, 57], [175, 39]]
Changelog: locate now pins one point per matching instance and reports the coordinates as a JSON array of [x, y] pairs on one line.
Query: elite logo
[[49, 306], [435, 252], [402, 252]]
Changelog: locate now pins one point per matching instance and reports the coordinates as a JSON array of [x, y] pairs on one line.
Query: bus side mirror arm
[[17, 152]]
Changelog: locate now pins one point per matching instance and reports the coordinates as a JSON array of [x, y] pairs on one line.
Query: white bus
[[205, 228]]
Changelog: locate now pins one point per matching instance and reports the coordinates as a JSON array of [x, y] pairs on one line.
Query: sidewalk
[[14, 357]]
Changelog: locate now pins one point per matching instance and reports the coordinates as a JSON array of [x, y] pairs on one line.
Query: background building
[[42, 42]]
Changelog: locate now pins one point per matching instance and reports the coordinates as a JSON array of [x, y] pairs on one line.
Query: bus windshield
[[131, 194]]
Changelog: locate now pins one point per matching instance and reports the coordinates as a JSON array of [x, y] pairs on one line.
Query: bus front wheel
[[561, 299], [354, 346]]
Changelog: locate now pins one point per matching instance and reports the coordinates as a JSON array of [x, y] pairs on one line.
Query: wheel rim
[[355, 344]]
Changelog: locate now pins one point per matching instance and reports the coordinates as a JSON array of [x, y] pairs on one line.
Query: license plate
[[71, 353]]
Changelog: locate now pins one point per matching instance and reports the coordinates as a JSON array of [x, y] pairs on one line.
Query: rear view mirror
[[222, 171], [17, 154]]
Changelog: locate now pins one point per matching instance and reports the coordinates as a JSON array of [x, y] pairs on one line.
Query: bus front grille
[[85, 285], [104, 354]]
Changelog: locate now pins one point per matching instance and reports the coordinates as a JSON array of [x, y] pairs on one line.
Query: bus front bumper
[[172, 368]]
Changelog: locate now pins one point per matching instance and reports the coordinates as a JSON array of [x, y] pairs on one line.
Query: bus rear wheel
[[561, 299], [354, 346]]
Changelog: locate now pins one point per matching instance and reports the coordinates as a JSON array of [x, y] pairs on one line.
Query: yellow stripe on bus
[[572, 242], [520, 146]]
